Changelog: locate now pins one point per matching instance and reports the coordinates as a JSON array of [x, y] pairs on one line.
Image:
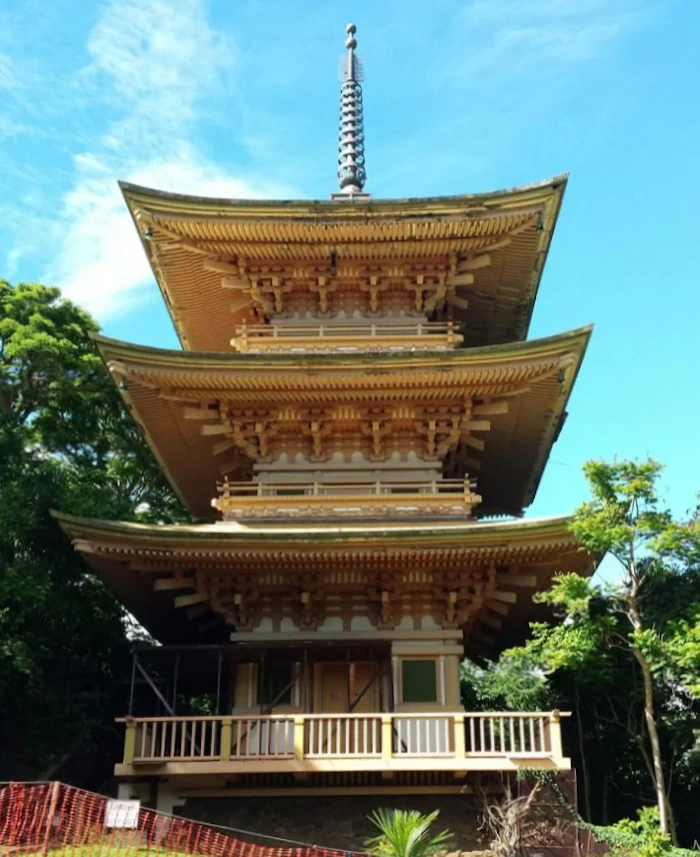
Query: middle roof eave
[[157, 384]]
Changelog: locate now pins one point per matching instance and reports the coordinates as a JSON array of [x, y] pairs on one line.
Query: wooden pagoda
[[356, 423]]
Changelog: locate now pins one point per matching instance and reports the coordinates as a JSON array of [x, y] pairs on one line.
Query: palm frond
[[405, 833]]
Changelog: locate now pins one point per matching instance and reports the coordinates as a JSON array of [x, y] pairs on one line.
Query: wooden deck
[[307, 743]]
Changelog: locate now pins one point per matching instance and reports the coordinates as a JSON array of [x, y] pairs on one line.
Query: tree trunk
[[584, 766], [650, 717]]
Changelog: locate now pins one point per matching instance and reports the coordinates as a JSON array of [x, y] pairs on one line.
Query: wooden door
[[339, 682]]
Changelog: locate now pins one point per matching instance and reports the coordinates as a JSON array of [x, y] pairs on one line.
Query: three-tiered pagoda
[[356, 422]]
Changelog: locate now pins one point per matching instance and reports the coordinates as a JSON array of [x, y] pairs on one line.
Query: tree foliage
[[67, 443], [624, 656]]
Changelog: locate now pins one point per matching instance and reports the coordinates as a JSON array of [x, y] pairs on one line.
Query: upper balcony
[[319, 499], [350, 338]]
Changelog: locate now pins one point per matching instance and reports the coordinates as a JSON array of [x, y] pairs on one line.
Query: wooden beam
[[200, 413], [475, 442], [497, 607], [235, 282], [487, 409], [178, 582], [222, 446], [506, 597], [527, 580], [221, 267], [460, 279], [215, 428], [478, 425], [189, 600], [474, 264], [242, 302]]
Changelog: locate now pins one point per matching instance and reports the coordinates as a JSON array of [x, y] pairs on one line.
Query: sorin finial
[[351, 145]]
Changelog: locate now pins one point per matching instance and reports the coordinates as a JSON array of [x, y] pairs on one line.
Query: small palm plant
[[405, 833]]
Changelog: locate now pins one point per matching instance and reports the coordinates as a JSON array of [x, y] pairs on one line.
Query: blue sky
[[241, 99]]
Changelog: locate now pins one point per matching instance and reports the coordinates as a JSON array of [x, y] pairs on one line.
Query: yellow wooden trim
[[226, 737], [459, 736], [298, 737], [130, 742], [387, 737], [555, 739]]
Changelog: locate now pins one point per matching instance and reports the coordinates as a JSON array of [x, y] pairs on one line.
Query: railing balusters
[[487, 734]]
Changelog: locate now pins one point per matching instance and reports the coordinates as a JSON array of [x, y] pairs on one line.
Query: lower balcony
[[301, 744]]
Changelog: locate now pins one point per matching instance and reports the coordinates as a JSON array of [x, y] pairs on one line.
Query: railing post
[[130, 741], [226, 739], [298, 737], [460, 742], [387, 736], [555, 736]]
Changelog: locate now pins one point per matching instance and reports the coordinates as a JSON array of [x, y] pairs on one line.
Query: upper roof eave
[[198, 205]]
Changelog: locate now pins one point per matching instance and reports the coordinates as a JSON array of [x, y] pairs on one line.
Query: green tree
[[651, 614], [66, 442]]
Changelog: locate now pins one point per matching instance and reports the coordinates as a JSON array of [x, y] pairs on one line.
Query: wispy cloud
[[507, 38], [158, 67]]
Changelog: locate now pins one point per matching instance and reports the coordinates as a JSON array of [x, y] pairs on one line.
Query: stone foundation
[[335, 822]]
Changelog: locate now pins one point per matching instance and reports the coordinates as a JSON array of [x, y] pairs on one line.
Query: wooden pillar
[[129, 741], [555, 736], [226, 739], [299, 737], [387, 736], [459, 738]]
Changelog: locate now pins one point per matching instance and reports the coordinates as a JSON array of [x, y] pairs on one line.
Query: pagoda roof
[[535, 377], [129, 557], [184, 235]]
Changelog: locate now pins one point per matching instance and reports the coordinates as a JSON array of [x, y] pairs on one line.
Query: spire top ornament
[[351, 141]]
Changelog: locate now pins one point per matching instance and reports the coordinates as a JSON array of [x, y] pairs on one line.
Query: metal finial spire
[[351, 147]]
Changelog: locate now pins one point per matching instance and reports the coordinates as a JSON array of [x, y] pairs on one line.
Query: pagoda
[[356, 422]]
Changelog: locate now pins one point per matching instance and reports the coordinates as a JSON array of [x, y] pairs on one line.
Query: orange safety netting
[[53, 817]]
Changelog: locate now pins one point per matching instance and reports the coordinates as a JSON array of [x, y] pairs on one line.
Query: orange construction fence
[[53, 817]]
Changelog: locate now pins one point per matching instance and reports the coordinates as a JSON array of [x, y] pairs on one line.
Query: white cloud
[[101, 264], [156, 65], [508, 38]]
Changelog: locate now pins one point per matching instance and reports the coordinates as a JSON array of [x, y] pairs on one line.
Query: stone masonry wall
[[336, 822]]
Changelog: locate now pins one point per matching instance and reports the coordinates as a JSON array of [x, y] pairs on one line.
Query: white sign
[[122, 813]]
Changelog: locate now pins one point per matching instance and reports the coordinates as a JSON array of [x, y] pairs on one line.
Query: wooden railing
[[508, 734], [256, 499], [346, 337], [486, 738], [338, 735]]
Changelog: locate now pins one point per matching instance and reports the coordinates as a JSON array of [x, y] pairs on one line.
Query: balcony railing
[[268, 743], [432, 335], [289, 499]]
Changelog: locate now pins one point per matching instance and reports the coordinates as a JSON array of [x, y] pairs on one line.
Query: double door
[[347, 705]]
